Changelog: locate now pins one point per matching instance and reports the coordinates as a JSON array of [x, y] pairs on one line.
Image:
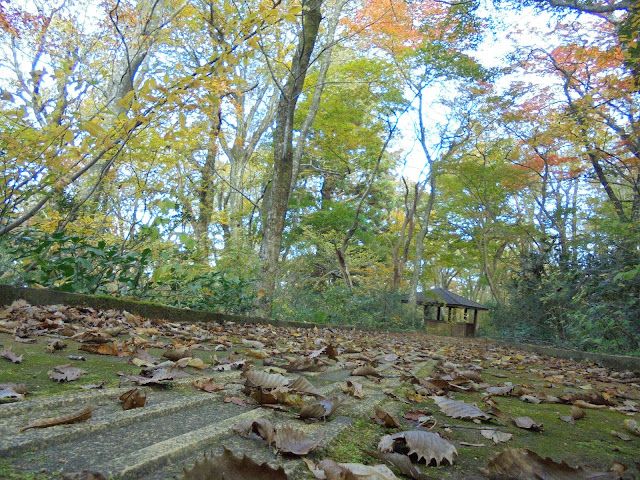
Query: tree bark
[[283, 153]]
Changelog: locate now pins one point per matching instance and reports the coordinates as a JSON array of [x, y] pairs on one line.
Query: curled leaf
[[331, 470], [521, 464], [65, 373], [385, 419], [133, 399], [75, 417], [303, 386], [365, 371], [261, 427], [295, 442], [496, 436], [528, 424], [354, 389], [207, 385], [426, 445], [256, 378], [456, 409], [229, 467], [7, 354]]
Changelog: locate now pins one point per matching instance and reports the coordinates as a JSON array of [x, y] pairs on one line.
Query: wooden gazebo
[[458, 316]]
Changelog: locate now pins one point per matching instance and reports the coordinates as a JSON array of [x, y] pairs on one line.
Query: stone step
[[172, 431]]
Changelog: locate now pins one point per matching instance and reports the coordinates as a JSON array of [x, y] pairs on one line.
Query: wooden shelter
[[461, 317]]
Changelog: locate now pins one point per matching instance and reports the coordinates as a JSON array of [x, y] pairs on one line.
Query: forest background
[[250, 156]]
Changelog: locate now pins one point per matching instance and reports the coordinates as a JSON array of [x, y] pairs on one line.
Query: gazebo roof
[[442, 297]]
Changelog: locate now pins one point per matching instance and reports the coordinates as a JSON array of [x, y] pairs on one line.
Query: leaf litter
[[460, 367]]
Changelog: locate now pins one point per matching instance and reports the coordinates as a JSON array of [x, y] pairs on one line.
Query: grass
[[37, 362]]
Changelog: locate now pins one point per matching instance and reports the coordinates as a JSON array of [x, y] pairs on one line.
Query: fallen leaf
[[521, 464], [331, 470], [56, 345], [456, 409], [176, 353], [501, 391], [320, 410], [133, 399], [256, 378], [8, 394], [197, 363], [207, 385], [621, 436], [365, 371], [399, 461], [84, 475], [229, 467], [79, 416], [304, 386], [101, 349], [426, 445], [295, 442], [65, 373], [528, 424], [236, 400], [354, 389], [496, 436], [261, 427], [632, 426], [530, 399], [385, 419], [9, 355]]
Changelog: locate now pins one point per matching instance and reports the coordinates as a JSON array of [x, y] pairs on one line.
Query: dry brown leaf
[[354, 389], [501, 391], [295, 442], [65, 373], [9, 355], [261, 427], [134, 398], [304, 386], [256, 378], [426, 445], [590, 406], [55, 345], [621, 436], [385, 419], [521, 464], [92, 337], [161, 376], [471, 375], [207, 385], [528, 424], [75, 417], [496, 436], [229, 467], [236, 401], [399, 461], [101, 349], [365, 371], [456, 409], [302, 364], [176, 353], [197, 363], [320, 410], [330, 470], [83, 475]]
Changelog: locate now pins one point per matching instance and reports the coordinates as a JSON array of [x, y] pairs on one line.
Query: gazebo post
[[475, 320]]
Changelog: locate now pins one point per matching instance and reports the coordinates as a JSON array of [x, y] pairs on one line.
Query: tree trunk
[[283, 153]]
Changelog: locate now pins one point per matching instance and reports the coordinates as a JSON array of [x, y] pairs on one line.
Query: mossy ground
[[32, 371]]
